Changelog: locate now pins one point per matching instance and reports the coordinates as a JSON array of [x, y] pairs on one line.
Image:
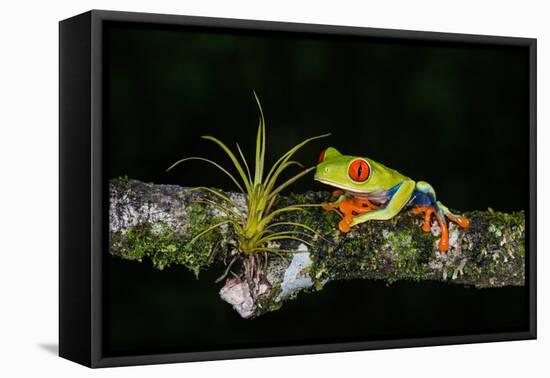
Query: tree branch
[[157, 222]]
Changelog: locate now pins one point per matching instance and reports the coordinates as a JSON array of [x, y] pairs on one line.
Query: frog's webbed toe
[[461, 220], [327, 206], [344, 225], [427, 212]]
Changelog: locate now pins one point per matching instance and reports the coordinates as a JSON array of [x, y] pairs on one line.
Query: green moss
[[166, 246], [269, 303], [495, 230], [521, 249], [123, 178], [494, 247]]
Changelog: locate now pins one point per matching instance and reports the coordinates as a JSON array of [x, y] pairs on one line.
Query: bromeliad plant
[[256, 229]]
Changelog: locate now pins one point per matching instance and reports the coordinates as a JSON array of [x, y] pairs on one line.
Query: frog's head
[[350, 173]]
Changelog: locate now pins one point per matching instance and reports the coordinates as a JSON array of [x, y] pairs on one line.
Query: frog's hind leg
[[443, 244], [427, 211], [424, 202], [445, 213], [461, 220]]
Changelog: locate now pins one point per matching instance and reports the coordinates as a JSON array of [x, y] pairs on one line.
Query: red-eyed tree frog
[[368, 190]]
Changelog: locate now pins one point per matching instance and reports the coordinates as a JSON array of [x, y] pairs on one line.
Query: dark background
[[455, 115]]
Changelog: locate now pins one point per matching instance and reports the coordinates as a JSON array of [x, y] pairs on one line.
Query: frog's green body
[[372, 191]]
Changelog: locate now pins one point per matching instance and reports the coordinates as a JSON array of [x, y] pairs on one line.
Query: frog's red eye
[[359, 170], [322, 156]]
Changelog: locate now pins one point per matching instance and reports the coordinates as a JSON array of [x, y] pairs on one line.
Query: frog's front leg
[[350, 207], [353, 207], [392, 208], [329, 206]]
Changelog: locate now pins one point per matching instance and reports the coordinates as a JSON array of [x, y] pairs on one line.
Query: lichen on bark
[[159, 226], [156, 223]]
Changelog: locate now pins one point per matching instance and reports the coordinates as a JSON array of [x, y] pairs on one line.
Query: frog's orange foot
[[464, 222], [461, 220], [427, 211], [426, 227], [344, 226], [418, 210], [328, 206], [443, 245]]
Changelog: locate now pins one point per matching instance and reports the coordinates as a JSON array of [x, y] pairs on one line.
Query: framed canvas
[[234, 188]]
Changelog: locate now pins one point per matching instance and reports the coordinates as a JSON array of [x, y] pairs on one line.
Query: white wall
[[28, 206]]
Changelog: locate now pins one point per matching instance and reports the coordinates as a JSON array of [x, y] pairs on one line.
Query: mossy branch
[[157, 222]]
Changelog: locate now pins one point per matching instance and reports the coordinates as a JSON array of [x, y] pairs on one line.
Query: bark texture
[[156, 222]]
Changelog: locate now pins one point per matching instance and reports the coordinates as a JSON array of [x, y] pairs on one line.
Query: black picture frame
[[82, 195]]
